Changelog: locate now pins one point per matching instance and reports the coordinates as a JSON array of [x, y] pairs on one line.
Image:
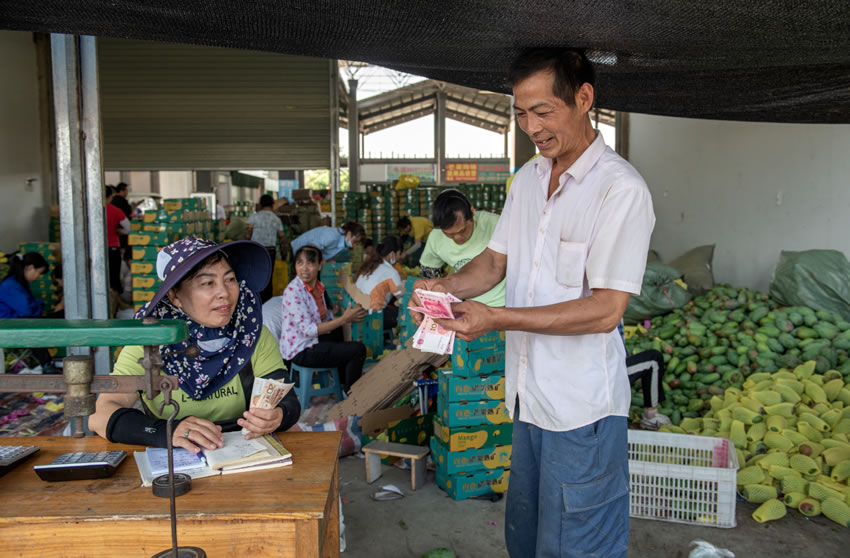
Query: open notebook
[[237, 456]]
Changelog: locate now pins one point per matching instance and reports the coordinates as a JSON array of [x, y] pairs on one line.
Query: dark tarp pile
[[761, 60]]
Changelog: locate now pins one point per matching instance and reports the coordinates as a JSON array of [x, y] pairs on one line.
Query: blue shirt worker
[[572, 243], [331, 240]]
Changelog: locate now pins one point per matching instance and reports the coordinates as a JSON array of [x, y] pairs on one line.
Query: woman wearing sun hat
[[214, 288]]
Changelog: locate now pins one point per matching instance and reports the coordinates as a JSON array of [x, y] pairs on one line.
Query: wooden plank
[[306, 539], [396, 450], [296, 492], [373, 466], [329, 525], [239, 537], [417, 474]]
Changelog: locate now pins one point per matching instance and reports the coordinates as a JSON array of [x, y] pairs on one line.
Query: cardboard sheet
[[381, 386]]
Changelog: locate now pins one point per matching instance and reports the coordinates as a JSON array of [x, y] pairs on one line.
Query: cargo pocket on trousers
[[595, 517], [594, 494]]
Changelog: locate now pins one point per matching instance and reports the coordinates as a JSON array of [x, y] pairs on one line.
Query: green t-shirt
[[226, 403], [441, 250]]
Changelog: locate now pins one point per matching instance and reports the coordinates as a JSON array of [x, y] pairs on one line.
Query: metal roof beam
[[389, 123], [504, 115], [478, 122], [365, 116], [424, 88]]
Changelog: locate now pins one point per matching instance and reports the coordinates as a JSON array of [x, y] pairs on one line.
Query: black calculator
[[81, 465], [10, 456]]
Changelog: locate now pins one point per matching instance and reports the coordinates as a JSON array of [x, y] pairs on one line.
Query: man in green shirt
[[460, 233]]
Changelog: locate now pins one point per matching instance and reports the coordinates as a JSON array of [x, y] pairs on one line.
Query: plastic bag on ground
[[659, 294], [819, 279], [707, 550]]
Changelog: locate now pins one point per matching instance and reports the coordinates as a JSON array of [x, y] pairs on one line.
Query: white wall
[[753, 189], [24, 216]]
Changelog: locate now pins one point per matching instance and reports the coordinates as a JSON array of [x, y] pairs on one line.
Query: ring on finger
[[186, 433]]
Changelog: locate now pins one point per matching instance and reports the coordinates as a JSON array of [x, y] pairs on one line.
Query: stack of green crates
[[241, 208], [180, 217], [349, 205], [384, 212], [53, 230], [426, 199], [487, 197], [407, 202], [471, 446], [370, 331], [331, 278], [43, 289]]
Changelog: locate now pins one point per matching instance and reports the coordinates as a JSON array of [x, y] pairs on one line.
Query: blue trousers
[[568, 495]]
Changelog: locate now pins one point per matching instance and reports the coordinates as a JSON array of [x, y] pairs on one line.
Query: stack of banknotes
[[267, 393], [430, 337]]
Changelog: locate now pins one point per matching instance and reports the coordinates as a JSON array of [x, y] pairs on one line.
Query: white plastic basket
[[682, 478]]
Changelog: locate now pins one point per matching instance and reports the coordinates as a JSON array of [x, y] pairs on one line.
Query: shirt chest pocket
[[572, 257]]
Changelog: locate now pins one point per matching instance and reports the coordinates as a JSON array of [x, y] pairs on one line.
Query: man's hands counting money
[[472, 320], [434, 285]]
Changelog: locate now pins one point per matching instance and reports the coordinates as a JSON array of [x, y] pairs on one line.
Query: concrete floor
[[427, 519]]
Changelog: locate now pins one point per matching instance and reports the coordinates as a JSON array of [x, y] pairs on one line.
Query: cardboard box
[[454, 462], [183, 204], [370, 332], [171, 228], [416, 431], [143, 268], [145, 253], [478, 363], [473, 437], [476, 388], [492, 339], [146, 282], [149, 239], [155, 216], [143, 295], [472, 413], [385, 382], [136, 226], [471, 485], [332, 273], [374, 423], [43, 248]]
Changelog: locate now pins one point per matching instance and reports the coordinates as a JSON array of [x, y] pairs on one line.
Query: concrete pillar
[[440, 137], [353, 133], [155, 182], [204, 181], [522, 148], [334, 132]]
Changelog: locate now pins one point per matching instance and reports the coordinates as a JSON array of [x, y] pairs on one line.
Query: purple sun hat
[[248, 259]]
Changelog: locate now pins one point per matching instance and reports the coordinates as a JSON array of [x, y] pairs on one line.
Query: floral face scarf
[[224, 350]]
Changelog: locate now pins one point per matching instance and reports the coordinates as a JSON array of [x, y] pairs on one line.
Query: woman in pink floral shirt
[[310, 335]]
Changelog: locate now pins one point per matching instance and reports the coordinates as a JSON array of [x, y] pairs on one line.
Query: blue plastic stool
[[328, 379]]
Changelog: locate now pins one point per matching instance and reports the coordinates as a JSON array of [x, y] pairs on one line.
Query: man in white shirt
[[572, 243]]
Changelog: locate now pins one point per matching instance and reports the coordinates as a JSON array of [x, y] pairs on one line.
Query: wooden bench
[[416, 454]]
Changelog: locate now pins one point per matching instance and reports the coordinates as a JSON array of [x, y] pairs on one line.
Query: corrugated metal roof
[[484, 109]]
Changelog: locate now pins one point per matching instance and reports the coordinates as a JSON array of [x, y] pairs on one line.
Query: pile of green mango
[[719, 339], [790, 432]]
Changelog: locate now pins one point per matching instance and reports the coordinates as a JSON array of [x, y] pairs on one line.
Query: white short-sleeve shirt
[[592, 233]]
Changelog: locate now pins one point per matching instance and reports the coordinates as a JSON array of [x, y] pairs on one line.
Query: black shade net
[[754, 60]]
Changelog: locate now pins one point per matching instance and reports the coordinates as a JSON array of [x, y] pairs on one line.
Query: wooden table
[[287, 512]]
